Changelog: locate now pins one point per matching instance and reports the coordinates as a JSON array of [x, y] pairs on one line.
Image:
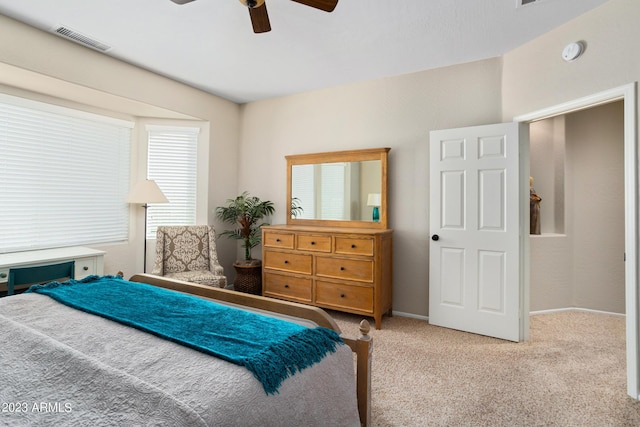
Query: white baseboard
[[532, 313], [411, 315], [584, 310]]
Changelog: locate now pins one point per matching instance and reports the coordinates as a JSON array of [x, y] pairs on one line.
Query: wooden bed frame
[[362, 346]]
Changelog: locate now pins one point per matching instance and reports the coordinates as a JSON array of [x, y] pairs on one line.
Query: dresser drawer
[[286, 261], [344, 268], [85, 267], [354, 246], [310, 242], [344, 296], [278, 240], [280, 286]]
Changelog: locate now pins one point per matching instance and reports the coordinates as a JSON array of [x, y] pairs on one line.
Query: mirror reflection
[[348, 191]]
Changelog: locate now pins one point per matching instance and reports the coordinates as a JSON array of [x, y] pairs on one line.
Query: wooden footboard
[[362, 346]]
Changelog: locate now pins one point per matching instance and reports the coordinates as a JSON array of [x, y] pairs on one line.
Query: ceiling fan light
[[252, 3]]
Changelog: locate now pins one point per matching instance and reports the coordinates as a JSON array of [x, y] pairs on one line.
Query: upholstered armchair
[[189, 253]]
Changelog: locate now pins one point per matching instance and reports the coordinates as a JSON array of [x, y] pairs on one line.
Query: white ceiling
[[209, 44]]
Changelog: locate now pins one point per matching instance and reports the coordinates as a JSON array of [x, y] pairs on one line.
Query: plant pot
[[248, 277]]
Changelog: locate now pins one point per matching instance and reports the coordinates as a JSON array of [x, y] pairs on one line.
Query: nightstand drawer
[[278, 240], [286, 261], [354, 246], [344, 296], [295, 288], [344, 268], [309, 242], [85, 267]]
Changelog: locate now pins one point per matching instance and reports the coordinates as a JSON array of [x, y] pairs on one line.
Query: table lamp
[[374, 200]]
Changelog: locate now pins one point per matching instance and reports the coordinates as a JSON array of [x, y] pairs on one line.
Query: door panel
[[491, 281], [452, 204], [491, 200], [475, 277], [452, 287]]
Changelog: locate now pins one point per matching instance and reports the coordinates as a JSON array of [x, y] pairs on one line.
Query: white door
[[478, 193]]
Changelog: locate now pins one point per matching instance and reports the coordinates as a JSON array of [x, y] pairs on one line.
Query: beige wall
[[396, 112], [595, 160], [249, 142], [35, 61]]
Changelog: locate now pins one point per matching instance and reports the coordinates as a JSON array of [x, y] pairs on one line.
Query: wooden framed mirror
[[338, 189]]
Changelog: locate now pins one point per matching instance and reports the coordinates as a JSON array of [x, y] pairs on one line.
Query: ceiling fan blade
[[260, 19], [326, 5]]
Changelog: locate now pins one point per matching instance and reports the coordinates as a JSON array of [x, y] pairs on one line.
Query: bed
[[64, 366]]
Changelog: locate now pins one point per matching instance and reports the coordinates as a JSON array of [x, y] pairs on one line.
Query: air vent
[[77, 37]]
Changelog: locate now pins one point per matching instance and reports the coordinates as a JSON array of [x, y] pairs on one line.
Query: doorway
[[627, 95], [577, 168]]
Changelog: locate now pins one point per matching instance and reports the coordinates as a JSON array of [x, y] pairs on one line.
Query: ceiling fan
[[258, 10]]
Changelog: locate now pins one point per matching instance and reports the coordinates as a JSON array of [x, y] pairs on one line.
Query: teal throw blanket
[[272, 349]]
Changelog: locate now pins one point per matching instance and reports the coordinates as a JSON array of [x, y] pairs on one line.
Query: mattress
[[61, 366]]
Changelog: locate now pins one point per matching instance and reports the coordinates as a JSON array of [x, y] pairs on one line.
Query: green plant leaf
[[245, 212]]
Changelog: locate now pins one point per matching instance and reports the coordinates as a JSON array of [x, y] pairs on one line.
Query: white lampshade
[[146, 191], [373, 199]]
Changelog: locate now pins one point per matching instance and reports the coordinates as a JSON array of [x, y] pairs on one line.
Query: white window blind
[[64, 176], [332, 190], [172, 158], [303, 188]]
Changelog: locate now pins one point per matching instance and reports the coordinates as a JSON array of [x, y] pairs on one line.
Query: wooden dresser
[[345, 269]]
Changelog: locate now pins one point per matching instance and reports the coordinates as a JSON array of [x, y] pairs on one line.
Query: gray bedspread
[[61, 366]]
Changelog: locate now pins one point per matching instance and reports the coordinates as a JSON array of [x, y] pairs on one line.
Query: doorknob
[[435, 237]]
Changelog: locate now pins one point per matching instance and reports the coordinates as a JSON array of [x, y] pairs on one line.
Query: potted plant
[[246, 213]]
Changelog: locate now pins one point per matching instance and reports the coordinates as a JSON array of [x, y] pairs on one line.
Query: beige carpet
[[571, 373]]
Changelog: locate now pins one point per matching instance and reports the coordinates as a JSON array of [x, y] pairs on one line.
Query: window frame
[[140, 166]]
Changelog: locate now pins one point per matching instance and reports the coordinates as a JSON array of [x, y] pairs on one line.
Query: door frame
[[628, 94]]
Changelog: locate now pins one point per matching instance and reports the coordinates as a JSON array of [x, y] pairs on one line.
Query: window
[[172, 163], [64, 176]]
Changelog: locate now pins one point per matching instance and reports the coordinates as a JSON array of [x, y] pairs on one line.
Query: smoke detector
[[572, 51]]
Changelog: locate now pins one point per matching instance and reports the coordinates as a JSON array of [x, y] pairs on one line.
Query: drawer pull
[[3, 275], [313, 243], [342, 295], [353, 246], [286, 262], [85, 268], [278, 240], [341, 268], [286, 286]]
